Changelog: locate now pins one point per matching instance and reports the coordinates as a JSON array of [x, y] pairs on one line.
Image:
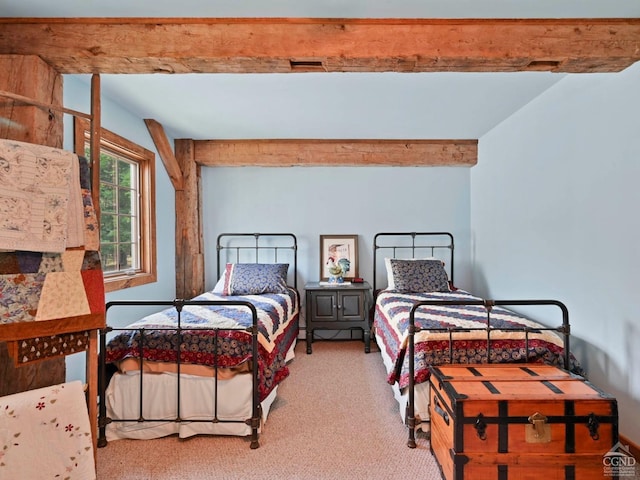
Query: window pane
[[107, 198], [125, 233], [125, 173], [107, 169], [108, 257], [108, 232], [124, 202], [125, 254]]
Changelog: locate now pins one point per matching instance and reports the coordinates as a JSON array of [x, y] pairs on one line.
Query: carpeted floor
[[335, 418]]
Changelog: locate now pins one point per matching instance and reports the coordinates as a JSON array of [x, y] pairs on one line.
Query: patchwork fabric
[[36, 285], [459, 332], [216, 335], [48, 286], [34, 349]]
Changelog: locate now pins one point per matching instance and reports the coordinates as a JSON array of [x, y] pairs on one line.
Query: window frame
[[145, 159]]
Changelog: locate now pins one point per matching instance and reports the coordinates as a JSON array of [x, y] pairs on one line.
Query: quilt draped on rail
[[45, 434], [200, 344], [50, 267], [432, 347], [40, 201]]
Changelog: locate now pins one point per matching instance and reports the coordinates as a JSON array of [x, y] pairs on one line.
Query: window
[[126, 209]]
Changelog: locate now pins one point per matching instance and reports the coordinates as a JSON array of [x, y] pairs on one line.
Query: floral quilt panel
[[45, 433]]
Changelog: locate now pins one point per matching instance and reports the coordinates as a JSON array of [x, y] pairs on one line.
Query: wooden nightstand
[[338, 307]]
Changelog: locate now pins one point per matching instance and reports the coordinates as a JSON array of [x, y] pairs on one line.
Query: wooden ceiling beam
[[156, 130], [282, 45], [311, 153]]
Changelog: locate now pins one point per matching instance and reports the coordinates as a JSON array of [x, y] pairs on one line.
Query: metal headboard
[[410, 245], [258, 248]]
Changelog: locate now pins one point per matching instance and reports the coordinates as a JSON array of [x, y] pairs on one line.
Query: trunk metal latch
[[538, 430]]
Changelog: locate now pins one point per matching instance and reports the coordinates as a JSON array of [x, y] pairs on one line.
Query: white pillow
[[219, 288]]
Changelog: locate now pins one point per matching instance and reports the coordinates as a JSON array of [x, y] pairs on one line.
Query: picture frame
[[335, 247]]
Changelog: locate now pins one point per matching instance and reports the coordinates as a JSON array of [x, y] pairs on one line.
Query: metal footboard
[[253, 421], [563, 329]]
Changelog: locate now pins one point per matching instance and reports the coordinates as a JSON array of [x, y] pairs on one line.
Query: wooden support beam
[[189, 235], [282, 45], [286, 153], [166, 153], [29, 77]]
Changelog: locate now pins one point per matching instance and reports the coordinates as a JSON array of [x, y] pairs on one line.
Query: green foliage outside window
[[118, 213]]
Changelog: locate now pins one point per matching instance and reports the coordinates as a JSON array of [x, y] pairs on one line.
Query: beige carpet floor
[[335, 418]]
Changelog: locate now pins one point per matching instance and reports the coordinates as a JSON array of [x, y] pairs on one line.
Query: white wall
[[554, 214], [314, 201], [77, 94]]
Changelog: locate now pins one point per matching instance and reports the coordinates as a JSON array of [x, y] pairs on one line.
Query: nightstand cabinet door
[[351, 306], [337, 306], [324, 305]]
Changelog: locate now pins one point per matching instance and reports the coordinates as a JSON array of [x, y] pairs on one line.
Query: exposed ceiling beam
[[280, 45], [166, 153], [285, 153]]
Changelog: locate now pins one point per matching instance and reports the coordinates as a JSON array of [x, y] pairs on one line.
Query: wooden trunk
[[520, 422]]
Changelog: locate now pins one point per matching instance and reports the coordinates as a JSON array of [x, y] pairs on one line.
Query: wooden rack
[[84, 328]]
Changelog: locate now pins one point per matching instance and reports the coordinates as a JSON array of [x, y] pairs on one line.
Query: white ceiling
[[326, 105]]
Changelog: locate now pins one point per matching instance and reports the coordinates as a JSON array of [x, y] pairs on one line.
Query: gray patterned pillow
[[255, 278], [419, 276]]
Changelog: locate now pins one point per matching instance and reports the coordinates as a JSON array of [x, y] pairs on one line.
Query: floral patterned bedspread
[[45, 433], [201, 344], [391, 321]]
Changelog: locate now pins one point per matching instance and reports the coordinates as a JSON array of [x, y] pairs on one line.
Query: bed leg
[[411, 424], [102, 437], [254, 436], [255, 425]]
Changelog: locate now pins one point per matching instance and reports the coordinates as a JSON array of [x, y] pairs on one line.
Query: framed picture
[[341, 250]]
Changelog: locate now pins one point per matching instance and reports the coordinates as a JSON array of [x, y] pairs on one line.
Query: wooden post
[[189, 236], [33, 78]]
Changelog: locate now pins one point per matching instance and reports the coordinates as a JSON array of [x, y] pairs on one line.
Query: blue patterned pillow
[[255, 278], [419, 276]]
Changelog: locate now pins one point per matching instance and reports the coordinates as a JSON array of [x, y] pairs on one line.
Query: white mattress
[[420, 399], [196, 393]]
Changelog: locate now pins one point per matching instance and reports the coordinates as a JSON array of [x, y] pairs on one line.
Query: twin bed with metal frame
[[215, 386], [211, 364], [422, 319]]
